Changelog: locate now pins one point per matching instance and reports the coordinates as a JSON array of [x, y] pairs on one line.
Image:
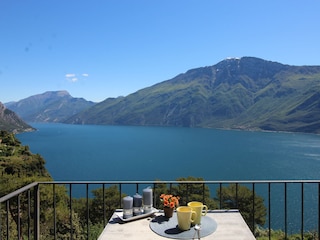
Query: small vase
[[168, 212]]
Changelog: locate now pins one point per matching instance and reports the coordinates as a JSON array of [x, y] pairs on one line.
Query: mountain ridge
[[238, 93], [50, 106]]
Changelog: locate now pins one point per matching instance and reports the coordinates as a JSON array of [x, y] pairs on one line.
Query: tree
[[240, 197], [194, 192], [97, 205], [159, 189]]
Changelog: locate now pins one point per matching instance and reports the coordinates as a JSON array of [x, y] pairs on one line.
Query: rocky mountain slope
[[51, 106], [238, 93], [9, 121]]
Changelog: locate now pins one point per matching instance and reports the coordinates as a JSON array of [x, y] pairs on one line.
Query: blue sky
[[108, 48]]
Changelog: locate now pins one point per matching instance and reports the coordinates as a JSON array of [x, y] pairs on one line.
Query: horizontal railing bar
[[17, 192], [31, 185], [184, 181]]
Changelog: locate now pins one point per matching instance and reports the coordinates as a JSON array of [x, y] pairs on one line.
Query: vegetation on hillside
[[246, 93], [19, 167]]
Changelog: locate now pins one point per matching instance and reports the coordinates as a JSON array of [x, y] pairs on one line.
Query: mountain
[[237, 93], [10, 122], [51, 106]]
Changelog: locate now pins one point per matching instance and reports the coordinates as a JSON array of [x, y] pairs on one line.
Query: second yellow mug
[[200, 209], [185, 216]]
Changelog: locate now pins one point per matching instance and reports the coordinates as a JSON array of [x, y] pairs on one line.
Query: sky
[[96, 49]]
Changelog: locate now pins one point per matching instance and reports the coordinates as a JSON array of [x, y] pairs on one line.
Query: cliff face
[[11, 122]]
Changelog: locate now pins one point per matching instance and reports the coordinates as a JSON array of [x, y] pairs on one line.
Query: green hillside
[[244, 93], [18, 166]]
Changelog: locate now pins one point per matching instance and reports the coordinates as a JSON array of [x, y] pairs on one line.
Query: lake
[[90, 152]]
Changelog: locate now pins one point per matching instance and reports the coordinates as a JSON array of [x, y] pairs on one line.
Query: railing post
[[70, 206], [8, 210], [203, 195], [0, 222], [220, 198], [318, 210], [120, 198], [253, 208], [36, 196], [285, 212], [29, 212], [88, 210], [18, 217], [269, 210], [237, 197], [104, 204], [187, 193], [154, 194], [54, 211], [302, 209]]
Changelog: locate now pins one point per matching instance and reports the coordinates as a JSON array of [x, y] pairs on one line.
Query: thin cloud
[[70, 75]]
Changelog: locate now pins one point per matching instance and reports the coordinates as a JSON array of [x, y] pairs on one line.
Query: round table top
[[168, 227]]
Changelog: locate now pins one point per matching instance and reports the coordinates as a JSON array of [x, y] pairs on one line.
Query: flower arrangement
[[169, 200]]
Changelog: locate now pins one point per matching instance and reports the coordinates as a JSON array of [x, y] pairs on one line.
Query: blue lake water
[[78, 152], [89, 152]]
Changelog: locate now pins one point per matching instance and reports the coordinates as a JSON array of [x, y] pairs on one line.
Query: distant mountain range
[[236, 93], [51, 106]]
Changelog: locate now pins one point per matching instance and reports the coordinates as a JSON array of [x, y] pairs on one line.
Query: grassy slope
[[247, 94]]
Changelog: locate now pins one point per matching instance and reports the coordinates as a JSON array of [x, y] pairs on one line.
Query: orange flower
[[169, 200]]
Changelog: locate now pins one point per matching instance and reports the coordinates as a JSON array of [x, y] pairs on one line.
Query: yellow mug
[[185, 216], [198, 207]]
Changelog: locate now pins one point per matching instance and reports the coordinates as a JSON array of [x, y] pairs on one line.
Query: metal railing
[[39, 207]]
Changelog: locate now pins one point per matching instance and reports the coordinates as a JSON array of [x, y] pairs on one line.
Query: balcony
[[56, 210]]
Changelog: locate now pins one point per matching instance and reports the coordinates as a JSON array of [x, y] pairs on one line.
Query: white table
[[230, 226]]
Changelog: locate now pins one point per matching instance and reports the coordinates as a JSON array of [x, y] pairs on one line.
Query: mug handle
[[193, 216], [206, 210]]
